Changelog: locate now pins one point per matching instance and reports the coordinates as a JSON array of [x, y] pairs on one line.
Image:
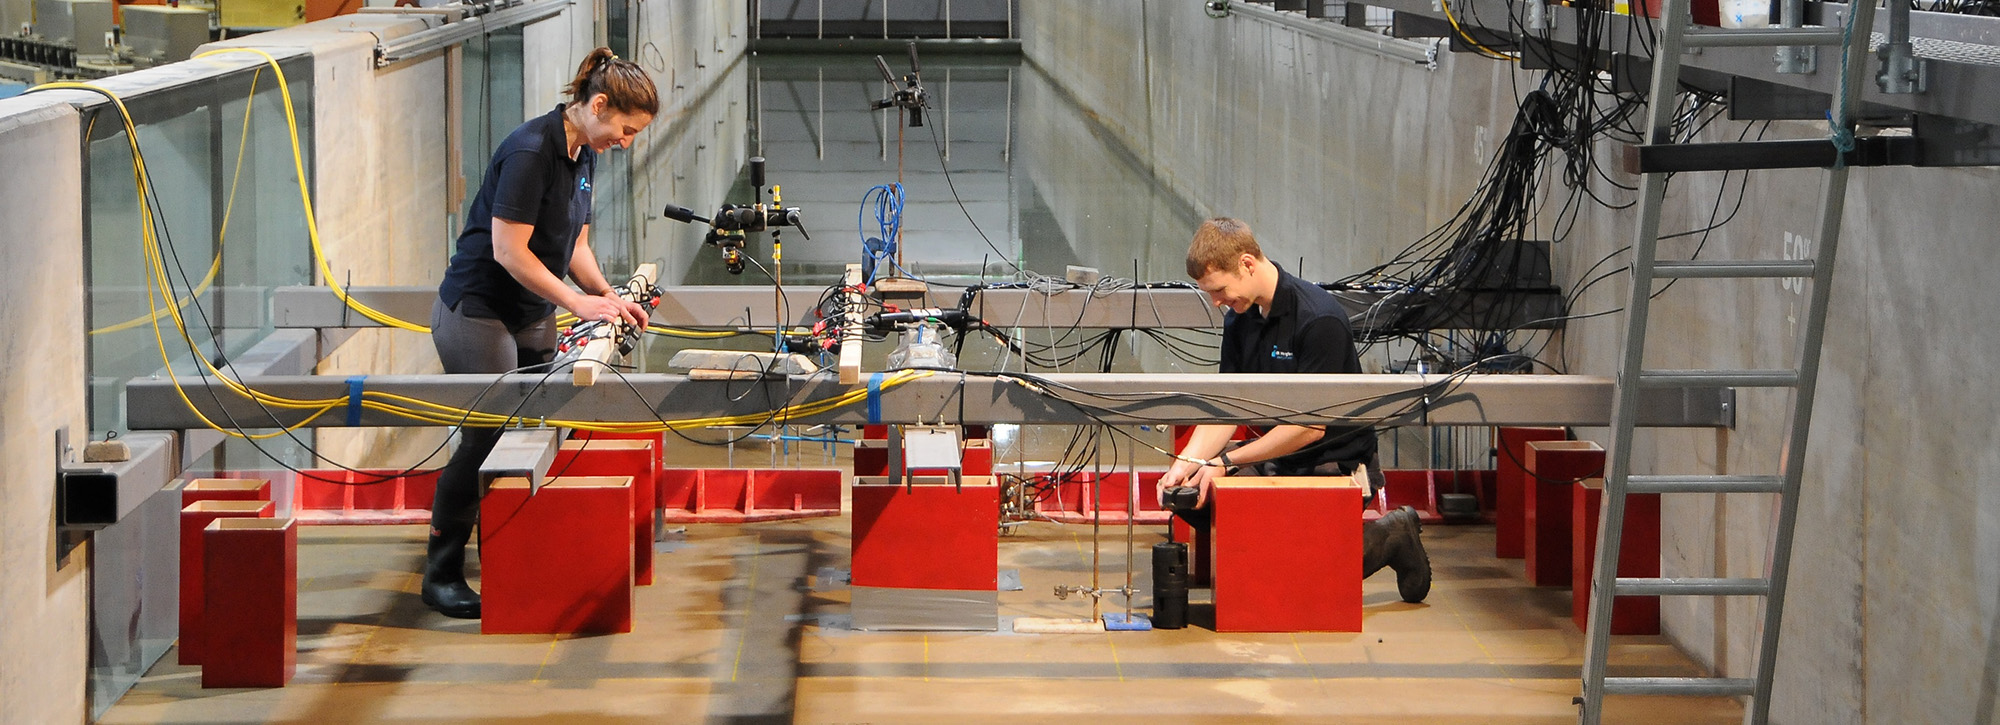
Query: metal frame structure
[[1634, 380]]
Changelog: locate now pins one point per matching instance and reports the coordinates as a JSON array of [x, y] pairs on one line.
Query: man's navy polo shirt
[[531, 180], [1304, 331]]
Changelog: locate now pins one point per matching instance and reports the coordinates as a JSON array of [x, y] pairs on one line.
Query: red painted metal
[[366, 496], [557, 562], [746, 495], [659, 441], [613, 457], [1286, 558], [1638, 556], [1554, 467], [1510, 491], [250, 579], [1074, 500], [225, 489], [194, 518], [930, 535]]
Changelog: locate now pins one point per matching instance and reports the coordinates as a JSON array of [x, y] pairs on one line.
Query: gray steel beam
[[1961, 88], [1118, 398], [732, 306]]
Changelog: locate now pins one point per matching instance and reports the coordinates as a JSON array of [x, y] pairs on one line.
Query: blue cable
[[886, 200]]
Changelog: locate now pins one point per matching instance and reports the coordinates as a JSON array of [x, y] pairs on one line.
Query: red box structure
[[1554, 467], [632, 458], [1510, 471], [929, 535], [1287, 554], [250, 578], [559, 561], [225, 489], [1638, 556], [744, 495], [195, 517], [367, 496], [659, 441]]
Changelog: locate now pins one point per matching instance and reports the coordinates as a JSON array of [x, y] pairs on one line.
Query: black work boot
[[444, 586], [1395, 540]]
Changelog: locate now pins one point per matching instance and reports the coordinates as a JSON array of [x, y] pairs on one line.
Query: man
[[1278, 323]]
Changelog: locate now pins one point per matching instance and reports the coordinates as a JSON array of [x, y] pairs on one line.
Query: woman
[[529, 225]]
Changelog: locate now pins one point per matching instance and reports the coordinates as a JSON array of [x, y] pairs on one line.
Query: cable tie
[[875, 399], [354, 400]]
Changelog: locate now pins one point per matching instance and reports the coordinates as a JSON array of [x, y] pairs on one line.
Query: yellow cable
[[1483, 50], [159, 288], [305, 201]]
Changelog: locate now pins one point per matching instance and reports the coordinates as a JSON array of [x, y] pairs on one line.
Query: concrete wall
[[42, 644], [1345, 156]]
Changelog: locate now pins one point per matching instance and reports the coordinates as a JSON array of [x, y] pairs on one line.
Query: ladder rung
[[1721, 378], [1704, 484], [1763, 37], [1721, 686], [1647, 586], [1717, 268]]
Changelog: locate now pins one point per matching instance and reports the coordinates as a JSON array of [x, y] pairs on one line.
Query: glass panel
[[228, 216], [230, 226]]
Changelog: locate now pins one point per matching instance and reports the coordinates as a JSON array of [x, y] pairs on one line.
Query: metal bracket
[[1900, 70]]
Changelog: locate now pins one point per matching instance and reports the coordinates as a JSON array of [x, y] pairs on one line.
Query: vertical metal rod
[[822, 113], [1833, 205], [1131, 520], [1096, 525], [947, 113], [947, 19], [1007, 143], [821, 33], [1625, 402], [885, 19]]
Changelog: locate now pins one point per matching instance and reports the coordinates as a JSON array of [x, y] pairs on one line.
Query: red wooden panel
[[659, 441], [557, 562], [225, 489], [1553, 467], [677, 487], [194, 518], [932, 535], [250, 579], [797, 490], [1638, 556], [1510, 470], [1287, 555], [614, 457]]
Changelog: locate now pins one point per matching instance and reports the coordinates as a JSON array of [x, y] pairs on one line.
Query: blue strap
[[875, 399], [354, 399]]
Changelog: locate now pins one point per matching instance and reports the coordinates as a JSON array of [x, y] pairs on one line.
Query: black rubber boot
[[444, 587], [1396, 541]]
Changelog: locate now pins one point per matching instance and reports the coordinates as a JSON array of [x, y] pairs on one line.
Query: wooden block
[[850, 330], [1553, 467], [1638, 556], [930, 535], [1287, 554], [250, 579], [1510, 472], [559, 561], [632, 458], [195, 518]]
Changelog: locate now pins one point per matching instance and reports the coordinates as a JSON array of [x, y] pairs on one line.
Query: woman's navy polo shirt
[[531, 180], [1304, 331]]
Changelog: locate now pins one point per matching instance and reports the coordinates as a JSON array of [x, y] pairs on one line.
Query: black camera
[[1181, 498], [727, 228]]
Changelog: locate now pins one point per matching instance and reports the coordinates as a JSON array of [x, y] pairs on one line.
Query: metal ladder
[[1674, 37]]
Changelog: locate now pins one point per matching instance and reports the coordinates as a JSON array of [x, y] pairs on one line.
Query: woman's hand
[[605, 308]]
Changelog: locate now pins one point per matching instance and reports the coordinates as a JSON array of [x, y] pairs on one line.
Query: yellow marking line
[[743, 633]]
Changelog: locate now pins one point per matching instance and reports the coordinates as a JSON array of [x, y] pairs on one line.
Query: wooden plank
[[850, 330]]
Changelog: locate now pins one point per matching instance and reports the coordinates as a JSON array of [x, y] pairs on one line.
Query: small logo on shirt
[[583, 185], [1277, 354]]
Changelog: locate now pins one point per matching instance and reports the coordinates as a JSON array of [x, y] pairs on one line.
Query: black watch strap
[[1223, 457]]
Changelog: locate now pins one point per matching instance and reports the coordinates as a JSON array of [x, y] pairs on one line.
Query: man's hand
[[1183, 473]]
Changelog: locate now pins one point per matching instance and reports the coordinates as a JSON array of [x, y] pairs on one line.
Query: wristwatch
[[1223, 458]]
